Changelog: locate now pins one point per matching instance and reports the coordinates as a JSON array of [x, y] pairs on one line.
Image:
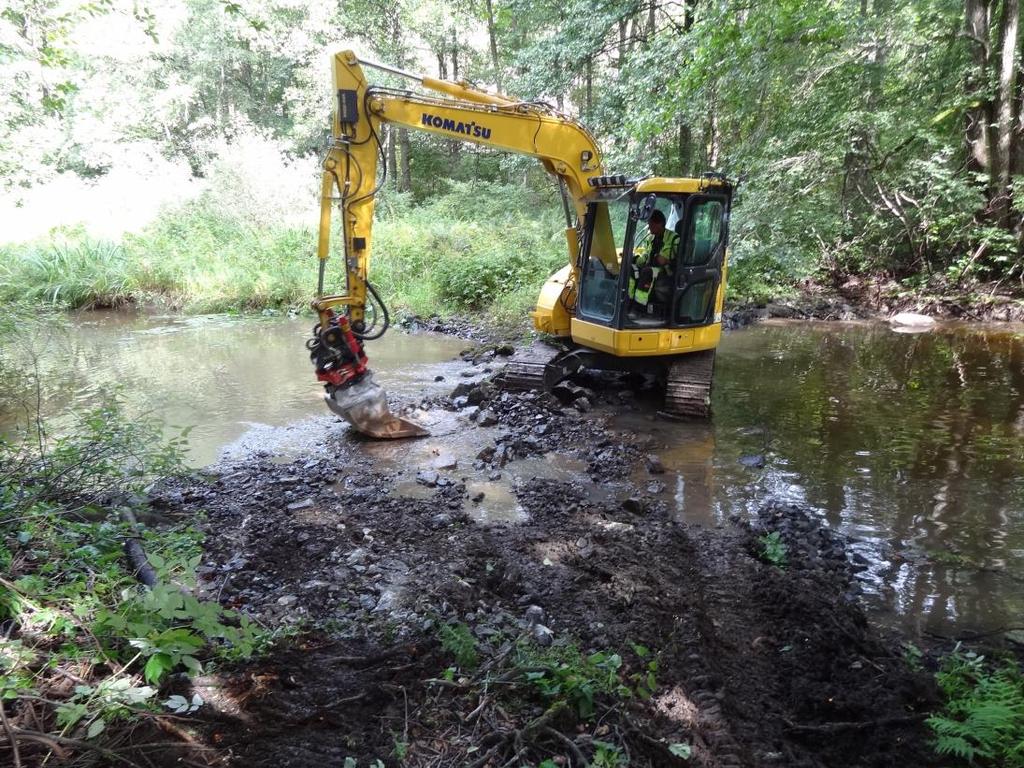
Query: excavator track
[[688, 389], [525, 370]]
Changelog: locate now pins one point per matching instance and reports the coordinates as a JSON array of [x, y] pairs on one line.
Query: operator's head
[[656, 224]]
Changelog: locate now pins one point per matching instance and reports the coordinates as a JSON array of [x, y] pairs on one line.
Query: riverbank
[[443, 635], [419, 582]]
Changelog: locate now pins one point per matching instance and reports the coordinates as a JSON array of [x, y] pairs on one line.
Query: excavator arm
[[350, 181]]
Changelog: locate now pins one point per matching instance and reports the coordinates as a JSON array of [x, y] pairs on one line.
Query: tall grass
[[476, 248]]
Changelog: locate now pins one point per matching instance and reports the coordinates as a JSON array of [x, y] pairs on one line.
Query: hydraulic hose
[[367, 335]]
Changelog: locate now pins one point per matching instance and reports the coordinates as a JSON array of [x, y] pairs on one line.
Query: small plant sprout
[[773, 549]]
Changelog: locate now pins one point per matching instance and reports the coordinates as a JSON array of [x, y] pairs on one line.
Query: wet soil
[[757, 664]]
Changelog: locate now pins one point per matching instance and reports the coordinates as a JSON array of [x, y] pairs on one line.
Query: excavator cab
[[684, 294]]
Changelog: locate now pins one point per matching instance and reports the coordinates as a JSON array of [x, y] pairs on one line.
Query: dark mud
[[756, 664]]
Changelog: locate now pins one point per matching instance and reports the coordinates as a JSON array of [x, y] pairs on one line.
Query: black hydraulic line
[[384, 313]]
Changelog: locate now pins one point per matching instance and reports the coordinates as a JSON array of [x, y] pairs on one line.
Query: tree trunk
[[685, 149], [1006, 139], [392, 153], [689, 12], [456, 146], [404, 146], [494, 46], [590, 87], [976, 23]]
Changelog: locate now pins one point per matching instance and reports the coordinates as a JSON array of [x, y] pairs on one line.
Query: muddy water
[[234, 381], [911, 444]]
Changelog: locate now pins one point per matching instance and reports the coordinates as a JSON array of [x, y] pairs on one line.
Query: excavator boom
[[355, 315]]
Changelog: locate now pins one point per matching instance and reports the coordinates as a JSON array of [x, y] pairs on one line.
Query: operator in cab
[[653, 269]]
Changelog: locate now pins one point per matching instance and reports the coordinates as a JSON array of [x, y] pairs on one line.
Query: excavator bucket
[[364, 405]]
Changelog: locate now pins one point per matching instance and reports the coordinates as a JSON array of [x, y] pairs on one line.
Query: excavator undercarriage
[[687, 378]]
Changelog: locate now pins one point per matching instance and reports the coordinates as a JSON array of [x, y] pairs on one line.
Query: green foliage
[[982, 722], [563, 673], [458, 640], [104, 455], [212, 255], [773, 549], [73, 603], [607, 756]]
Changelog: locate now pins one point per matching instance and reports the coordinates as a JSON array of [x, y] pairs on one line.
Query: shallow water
[[912, 444], [232, 380]]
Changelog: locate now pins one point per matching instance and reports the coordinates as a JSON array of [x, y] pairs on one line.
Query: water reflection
[[910, 443], [226, 377]]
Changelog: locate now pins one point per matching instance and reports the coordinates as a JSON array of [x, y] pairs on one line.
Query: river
[[910, 444]]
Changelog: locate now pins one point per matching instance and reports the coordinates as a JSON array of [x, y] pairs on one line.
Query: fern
[[983, 721], [458, 640]]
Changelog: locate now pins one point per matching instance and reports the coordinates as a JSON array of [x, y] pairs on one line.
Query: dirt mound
[[754, 664]]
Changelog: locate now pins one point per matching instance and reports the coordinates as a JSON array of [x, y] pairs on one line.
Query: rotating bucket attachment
[[351, 391]]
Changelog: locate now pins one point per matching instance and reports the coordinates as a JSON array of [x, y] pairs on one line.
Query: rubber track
[[525, 371], [688, 390]]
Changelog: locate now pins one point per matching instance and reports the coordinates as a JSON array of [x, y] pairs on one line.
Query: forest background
[[168, 153]]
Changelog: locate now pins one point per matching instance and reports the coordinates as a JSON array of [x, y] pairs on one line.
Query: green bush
[[464, 250]]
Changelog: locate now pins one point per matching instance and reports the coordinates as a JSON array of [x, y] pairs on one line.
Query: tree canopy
[[871, 136]]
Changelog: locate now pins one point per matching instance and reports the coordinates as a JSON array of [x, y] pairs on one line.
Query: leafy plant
[[563, 673], [458, 640], [773, 549], [982, 722], [607, 756]]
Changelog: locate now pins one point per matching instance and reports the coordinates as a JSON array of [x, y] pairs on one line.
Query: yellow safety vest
[[641, 293]]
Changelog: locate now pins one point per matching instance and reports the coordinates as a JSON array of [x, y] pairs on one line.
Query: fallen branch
[[16, 755], [581, 760], [141, 568], [856, 726]]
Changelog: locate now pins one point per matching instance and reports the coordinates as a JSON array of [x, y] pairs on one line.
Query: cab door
[[703, 236]]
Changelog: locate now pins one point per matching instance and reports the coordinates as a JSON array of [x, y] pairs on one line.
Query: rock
[[754, 461], [634, 505], [427, 477], [487, 418], [781, 310], [494, 476], [583, 405], [446, 461], [505, 350], [460, 402], [358, 556], [485, 390], [287, 600], [542, 636], [367, 602], [654, 465], [912, 319], [655, 487], [469, 373], [533, 615], [614, 526], [304, 504], [487, 453], [439, 378], [477, 497]]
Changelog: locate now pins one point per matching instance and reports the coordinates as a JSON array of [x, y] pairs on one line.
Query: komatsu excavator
[[608, 306]]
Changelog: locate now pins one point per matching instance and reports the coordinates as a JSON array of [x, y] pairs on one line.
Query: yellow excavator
[[643, 286]]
